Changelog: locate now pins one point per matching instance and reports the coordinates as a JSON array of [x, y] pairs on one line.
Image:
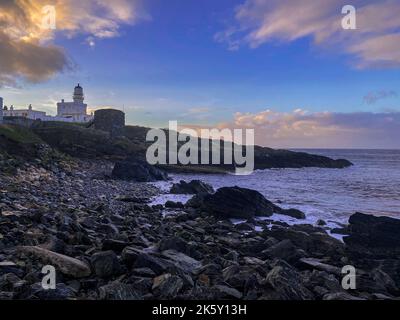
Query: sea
[[371, 186]]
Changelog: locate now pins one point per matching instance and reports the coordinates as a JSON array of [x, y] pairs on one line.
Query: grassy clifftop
[[81, 142]]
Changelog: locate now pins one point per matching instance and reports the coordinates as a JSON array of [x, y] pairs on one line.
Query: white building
[[76, 111], [25, 113]]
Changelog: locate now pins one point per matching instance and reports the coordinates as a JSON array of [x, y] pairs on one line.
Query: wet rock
[[317, 264], [340, 296], [233, 277], [61, 292], [245, 226], [321, 283], [174, 205], [144, 272], [376, 281], [294, 213], [105, 264], [379, 235], [284, 250], [167, 286], [132, 199], [114, 245], [174, 243], [67, 265], [140, 259], [314, 242], [287, 283], [235, 202], [184, 262], [139, 171], [118, 291], [192, 187], [10, 267], [225, 292], [342, 231]]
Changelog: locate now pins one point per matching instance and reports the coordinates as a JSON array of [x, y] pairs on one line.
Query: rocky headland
[[64, 202]]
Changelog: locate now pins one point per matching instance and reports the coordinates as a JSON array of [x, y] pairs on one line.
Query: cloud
[[373, 97], [375, 43], [301, 129], [26, 50]]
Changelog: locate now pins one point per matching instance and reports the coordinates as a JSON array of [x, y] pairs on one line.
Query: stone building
[[109, 120]]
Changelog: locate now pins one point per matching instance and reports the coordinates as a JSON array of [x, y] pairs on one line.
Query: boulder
[[61, 292], [139, 171], [294, 213], [225, 292], [284, 250], [139, 259], [311, 263], [167, 286], [234, 202], [174, 243], [67, 265], [174, 205], [118, 291], [182, 261], [287, 283], [192, 187], [340, 296], [114, 245], [105, 264], [379, 235]]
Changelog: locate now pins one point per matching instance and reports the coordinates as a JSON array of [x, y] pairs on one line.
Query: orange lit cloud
[[25, 46]]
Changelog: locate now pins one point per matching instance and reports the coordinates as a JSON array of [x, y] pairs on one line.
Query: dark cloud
[[28, 61]]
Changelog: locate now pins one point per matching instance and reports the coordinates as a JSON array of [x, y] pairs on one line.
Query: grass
[[19, 134]]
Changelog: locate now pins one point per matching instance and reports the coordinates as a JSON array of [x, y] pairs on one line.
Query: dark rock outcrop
[[235, 202], [294, 213], [378, 235], [105, 264], [139, 171], [192, 187]]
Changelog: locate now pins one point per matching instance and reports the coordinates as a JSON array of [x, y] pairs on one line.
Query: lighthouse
[[78, 96], [75, 111]]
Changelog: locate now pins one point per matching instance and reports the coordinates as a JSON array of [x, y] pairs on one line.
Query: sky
[[285, 68]]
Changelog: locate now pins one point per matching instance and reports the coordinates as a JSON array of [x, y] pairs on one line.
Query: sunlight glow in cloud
[[25, 47]]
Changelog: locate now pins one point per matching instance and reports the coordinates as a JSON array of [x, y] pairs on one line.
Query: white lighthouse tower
[[75, 111], [78, 94]]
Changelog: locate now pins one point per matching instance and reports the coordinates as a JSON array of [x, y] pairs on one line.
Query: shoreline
[[107, 243]]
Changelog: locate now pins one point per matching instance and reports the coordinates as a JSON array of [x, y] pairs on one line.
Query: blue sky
[[171, 65]]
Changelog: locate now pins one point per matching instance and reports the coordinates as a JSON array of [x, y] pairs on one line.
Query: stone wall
[[109, 120]]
